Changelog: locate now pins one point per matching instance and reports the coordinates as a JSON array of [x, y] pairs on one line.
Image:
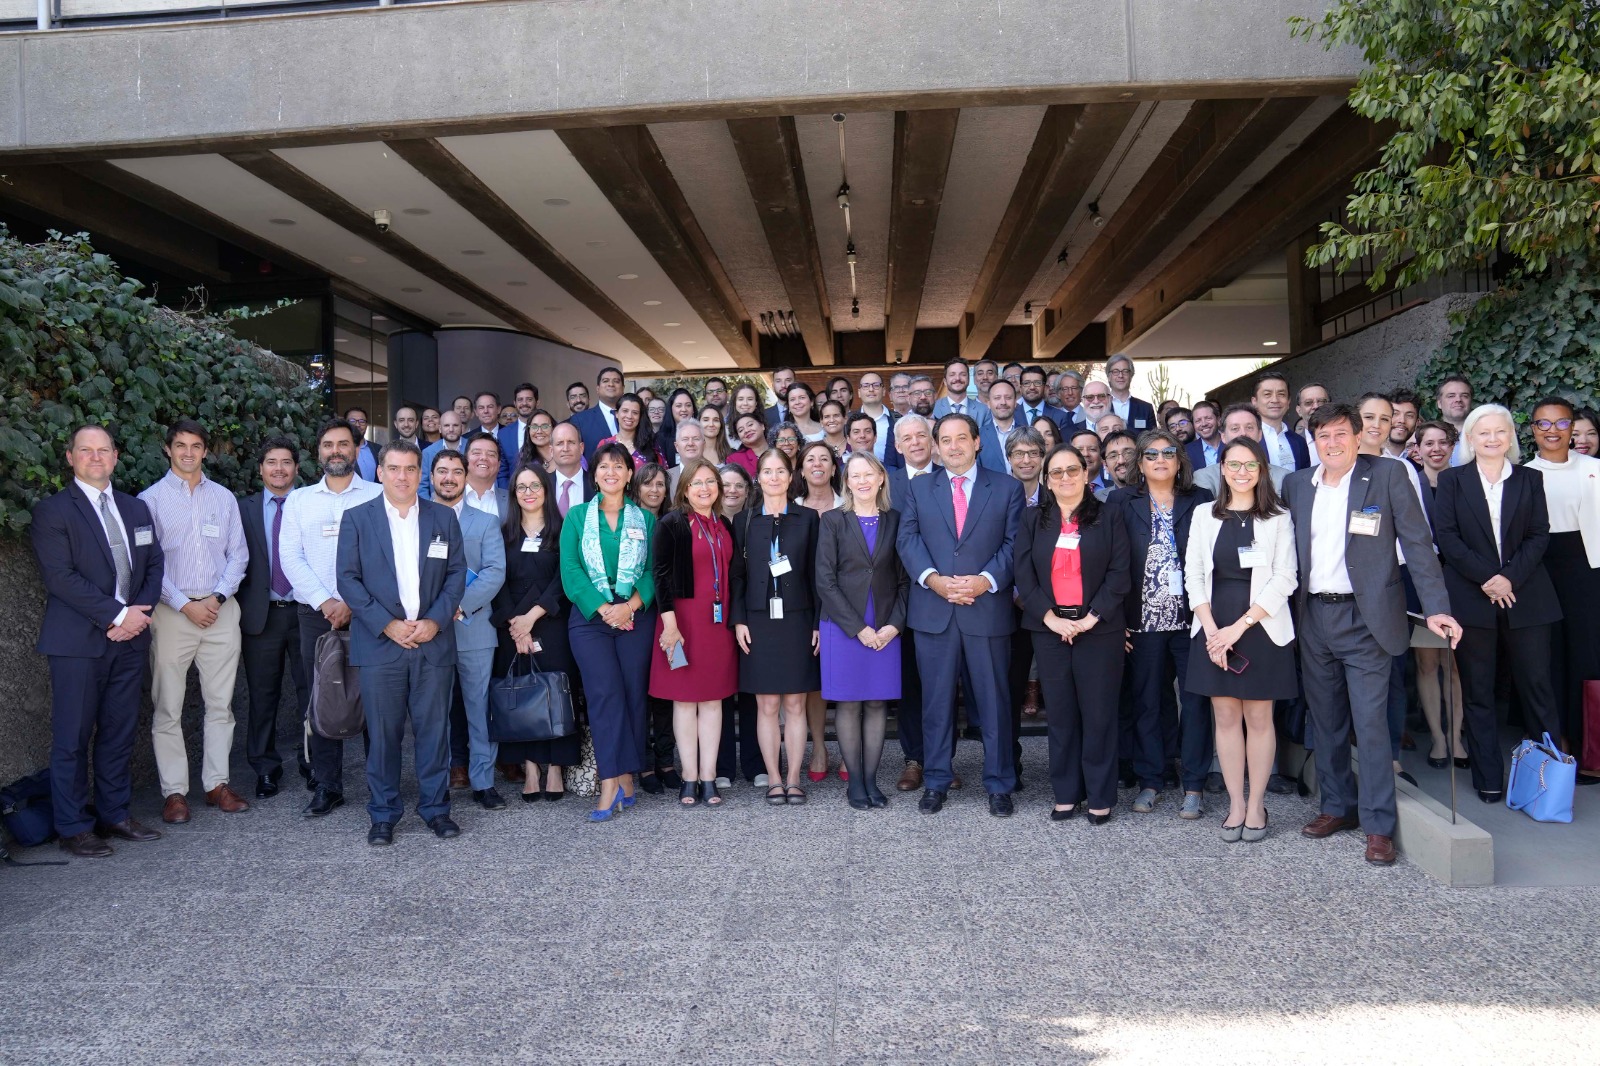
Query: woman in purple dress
[[863, 589]]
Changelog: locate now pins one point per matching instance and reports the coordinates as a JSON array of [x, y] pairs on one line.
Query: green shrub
[[79, 343]]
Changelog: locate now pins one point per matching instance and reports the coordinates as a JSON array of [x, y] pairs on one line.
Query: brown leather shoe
[[1325, 825], [1380, 850], [85, 845], [176, 810], [911, 780], [512, 771], [127, 829], [226, 798], [955, 781], [1033, 700], [459, 779]]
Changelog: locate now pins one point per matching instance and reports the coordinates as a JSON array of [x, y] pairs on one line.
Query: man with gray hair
[[1137, 415], [1068, 396], [689, 443], [900, 392]]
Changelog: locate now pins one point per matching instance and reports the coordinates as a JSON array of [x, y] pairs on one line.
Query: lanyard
[[1164, 525], [710, 531], [777, 521]]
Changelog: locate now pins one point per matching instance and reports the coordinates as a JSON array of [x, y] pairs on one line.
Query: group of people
[[1158, 584]]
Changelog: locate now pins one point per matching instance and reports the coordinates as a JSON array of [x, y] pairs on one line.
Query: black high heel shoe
[[1440, 763], [689, 794], [1096, 819], [709, 794], [1464, 764], [651, 783]]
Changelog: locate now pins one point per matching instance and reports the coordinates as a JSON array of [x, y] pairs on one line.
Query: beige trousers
[[175, 642]]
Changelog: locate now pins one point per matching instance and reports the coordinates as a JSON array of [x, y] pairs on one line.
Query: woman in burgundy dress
[[693, 558]]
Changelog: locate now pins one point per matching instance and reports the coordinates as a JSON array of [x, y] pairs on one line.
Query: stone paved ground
[[756, 935]]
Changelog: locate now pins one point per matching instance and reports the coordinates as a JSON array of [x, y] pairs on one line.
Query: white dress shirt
[[404, 534], [575, 494], [489, 502], [1120, 408], [1494, 493], [93, 495], [1330, 516], [309, 543], [1276, 441]]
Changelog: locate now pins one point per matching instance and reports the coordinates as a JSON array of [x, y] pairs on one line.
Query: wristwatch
[[1248, 621], [222, 598]]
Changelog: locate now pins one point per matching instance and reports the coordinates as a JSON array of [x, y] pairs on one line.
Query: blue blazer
[[592, 424], [899, 481], [1140, 410], [928, 539], [1298, 448], [974, 406], [507, 436], [367, 583], [991, 449], [1196, 450], [80, 580], [485, 553]]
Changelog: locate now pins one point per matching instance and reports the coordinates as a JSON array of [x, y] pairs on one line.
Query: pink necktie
[[960, 502], [564, 501]]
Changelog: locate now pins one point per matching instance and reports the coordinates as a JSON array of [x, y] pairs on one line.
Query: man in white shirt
[[689, 441], [1136, 414], [483, 466], [872, 405], [572, 485], [450, 430], [1454, 400], [1285, 448]]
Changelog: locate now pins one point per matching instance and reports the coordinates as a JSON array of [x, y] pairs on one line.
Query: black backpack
[[336, 690], [28, 815]]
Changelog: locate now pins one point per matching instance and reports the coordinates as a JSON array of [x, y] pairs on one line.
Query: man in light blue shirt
[[450, 430]]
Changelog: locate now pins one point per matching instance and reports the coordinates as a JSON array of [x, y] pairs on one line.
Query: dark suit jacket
[[507, 436], [1196, 450], [1103, 551], [898, 482], [847, 573], [1381, 484], [1140, 410], [1298, 448], [368, 585], [255, 591], [80, 580], [1467, 548], [673, 551], [752, 561], [1135, 505], [774, 416], [927, 540], [591, 422], [891, 453]]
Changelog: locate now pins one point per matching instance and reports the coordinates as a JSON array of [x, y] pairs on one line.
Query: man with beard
[[921, 394], [1121, 458], [577, 397], [1406, 409], [450, 429]]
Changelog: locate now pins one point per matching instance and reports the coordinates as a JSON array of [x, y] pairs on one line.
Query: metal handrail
[[27, 15]]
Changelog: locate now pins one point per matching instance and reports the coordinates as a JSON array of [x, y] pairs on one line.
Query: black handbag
[[530, 706]]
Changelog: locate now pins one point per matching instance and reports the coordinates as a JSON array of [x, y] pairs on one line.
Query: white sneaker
[[723, 782], [760, 781]]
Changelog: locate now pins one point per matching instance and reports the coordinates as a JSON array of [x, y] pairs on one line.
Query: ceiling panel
[[869, 165]]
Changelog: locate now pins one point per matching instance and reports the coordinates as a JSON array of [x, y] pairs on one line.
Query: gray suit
[[969, 406], [1346, 646], [1210, 478], [476, 638]]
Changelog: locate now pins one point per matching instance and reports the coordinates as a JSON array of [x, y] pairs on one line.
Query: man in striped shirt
[[197, 621]]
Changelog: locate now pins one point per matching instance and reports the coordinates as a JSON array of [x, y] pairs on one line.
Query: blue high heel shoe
[[628, 801], [605, 813]]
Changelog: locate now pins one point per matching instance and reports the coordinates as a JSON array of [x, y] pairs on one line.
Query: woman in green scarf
[[607, 573]]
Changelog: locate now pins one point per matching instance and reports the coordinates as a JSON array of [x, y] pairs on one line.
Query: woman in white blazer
[[1239, 571]]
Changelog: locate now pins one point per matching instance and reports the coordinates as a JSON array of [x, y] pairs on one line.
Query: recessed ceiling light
[[472, 251], [595, 244], [517, 284], [415, 211], [627, 277], [652, 303], [1269, 344], [554, 308], [672, 323], [688, 342], [410, 288], [556, 201], [281, 221], [355, 259]]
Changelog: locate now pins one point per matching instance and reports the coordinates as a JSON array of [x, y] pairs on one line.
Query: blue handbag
[[1542, 780]]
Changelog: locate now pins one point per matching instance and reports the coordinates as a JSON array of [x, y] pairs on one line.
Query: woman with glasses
[[656, 410], [692, 663], [1572, 495], [537, 449], [774, 578], [1157, 510], [607, 574], [1072, 576], [801, 405], [786, 438], [1239, 571], [529, 614]]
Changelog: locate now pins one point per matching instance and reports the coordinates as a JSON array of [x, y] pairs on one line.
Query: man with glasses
[[900, 392], [1033, 405], [1120, 454], [883, 417], [1012, 372], [1238, 420], [921, 393], [1136, 414], [1069, 397], [450, 430], [782, 378], [1096, 403], [717, 395], [1308, 398], [1179, 421], [367, 457]]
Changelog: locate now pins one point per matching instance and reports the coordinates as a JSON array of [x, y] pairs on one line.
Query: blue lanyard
[[777, 522], [710, 533]]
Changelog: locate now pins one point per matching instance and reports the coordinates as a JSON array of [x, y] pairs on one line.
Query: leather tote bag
[[530, 705], [1542, 780]]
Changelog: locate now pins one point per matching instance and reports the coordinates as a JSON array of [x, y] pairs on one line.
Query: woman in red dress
[[693, 557]]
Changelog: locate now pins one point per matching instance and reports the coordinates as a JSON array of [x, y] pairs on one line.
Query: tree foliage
[[1496, 105], [78, 343]]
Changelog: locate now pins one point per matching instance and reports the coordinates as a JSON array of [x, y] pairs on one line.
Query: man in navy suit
[[1286, 449], [1033, 402], [102, 568], [957, 529], [1206, 446], [782, 378], [1137, 415], [512, 437], [367, 454], [402, 571], [599, 421]]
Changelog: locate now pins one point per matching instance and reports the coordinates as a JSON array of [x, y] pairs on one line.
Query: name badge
[[330, 529], [1175, 582], [716, 613], [211, 530], [1139, 423], [530, 544], [1364, 523], [775, 608], [1252, 557], [438, 549], [143, 535], [780, 566], [1069, 541], [635, 534]]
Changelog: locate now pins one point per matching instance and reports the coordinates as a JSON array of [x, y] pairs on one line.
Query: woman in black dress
[[530, 611], [1239, 571]]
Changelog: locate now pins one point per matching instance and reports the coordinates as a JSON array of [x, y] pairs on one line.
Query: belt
[[1072, 614], [283, 603], [1333, 597]]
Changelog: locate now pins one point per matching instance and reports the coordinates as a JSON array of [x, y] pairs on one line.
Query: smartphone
[[678, 659], [1236, 662]]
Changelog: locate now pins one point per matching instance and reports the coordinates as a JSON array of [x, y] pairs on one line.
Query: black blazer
[[1135, 505], [847, 573], [752, 551], [1467, 549], [674, 562], [255, 591], [80, 579], [1104, 551]]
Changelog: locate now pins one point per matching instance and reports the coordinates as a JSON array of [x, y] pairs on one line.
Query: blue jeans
[[472, 672]]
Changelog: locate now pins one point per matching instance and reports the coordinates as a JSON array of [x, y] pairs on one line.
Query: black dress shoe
[[1126, 778], [381, 835], [443, 827], [1000, 805], [1405, 775], [85, 845], [932, 802], [651, 783], [266, 787], [323, 801], [1059, 815], [489, 799], [1279, 785], [1491, 797], [1464, 764], [669, 777], [127, 829]]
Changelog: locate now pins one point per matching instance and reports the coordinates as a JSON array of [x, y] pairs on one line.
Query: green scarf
[[631, 554]]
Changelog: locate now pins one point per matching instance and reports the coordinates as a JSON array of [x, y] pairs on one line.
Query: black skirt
[[781, 659], [1271, 674]]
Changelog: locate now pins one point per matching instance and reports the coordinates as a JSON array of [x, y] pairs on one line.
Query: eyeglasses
[[1062, 472], [541, 427], [1097, 396], [1152, 454], [1179, 422], [1025, 453], [1233, 466], [529, 490], [1546, 424], [702, 483]]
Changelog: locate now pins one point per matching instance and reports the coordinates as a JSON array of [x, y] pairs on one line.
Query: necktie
[[611, 419], [564, 501], [280, 584], [960, 502], [119, 550], [955, 408]]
